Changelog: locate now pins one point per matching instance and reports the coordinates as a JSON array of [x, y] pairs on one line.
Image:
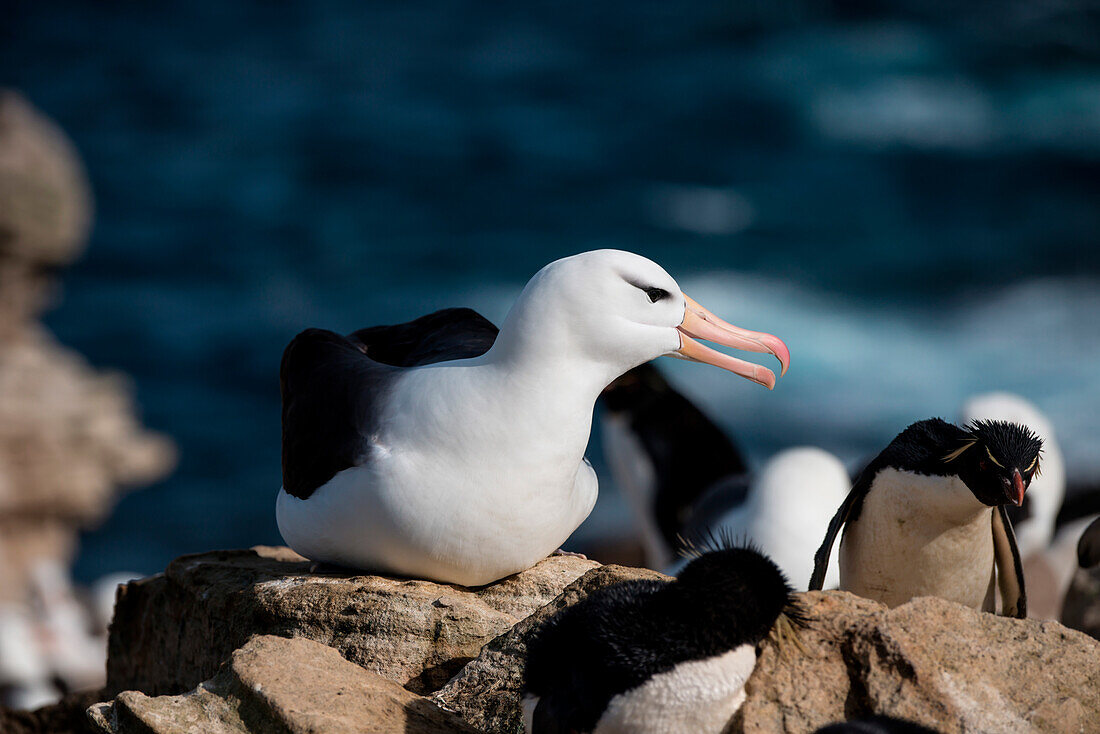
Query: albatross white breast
[[441, 449]]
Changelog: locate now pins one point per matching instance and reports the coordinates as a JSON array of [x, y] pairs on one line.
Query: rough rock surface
[[172, 631], [69, 436], [931, 661], [285, 685], [486, 692]]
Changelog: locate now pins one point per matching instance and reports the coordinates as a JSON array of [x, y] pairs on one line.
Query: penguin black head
[[997, 460], [737, 592], [609, 644]]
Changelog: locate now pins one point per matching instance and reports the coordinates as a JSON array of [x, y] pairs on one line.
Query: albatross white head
[[618, 310]]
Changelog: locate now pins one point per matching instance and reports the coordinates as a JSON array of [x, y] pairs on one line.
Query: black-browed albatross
[[442, 449]]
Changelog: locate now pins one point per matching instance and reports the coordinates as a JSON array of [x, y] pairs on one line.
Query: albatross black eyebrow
[[655, 294]]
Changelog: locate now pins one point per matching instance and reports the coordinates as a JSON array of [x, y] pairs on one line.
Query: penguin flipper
[[821, 558], [1010, 571]]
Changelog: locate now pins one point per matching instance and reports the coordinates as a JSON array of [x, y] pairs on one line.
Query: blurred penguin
[[685, 479], [1081, 606], [26, 681], [76, 656], [1034, 521], [658, 656], [663, 453], [1088, 547], [784, 508]]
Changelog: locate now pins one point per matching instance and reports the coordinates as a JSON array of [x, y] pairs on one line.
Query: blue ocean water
[[905, 192]]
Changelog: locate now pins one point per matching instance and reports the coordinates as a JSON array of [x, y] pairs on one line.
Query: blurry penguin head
[[997, 460], [739, 591]]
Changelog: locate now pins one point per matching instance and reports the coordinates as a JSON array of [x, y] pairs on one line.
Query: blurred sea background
[[907, 192]]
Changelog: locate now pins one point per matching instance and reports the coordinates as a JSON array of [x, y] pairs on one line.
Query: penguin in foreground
[[658, 656], [927, 517], [683, 477], [876, 725]]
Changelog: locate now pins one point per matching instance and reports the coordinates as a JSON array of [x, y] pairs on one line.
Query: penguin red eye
[[982, 464]]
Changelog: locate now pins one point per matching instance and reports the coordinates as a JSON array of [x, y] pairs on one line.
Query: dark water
[[906, 192]]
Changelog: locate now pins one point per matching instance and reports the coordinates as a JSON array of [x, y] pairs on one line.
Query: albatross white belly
[[466, 542], [466, 505]]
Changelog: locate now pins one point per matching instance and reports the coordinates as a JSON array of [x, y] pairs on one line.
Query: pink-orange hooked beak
[[700, 323], [1016, 494]]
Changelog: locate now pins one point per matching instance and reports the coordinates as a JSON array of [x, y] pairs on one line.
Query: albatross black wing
[[1010, 571], [453, 333], [332, 385]]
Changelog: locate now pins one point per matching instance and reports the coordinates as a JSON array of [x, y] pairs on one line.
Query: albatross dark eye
[[653, 293], [656, 294]]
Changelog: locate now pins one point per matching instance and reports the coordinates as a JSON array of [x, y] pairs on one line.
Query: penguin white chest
[[697, 696], [919, 535]]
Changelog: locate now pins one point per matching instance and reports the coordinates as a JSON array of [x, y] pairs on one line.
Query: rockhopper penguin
[[658, 656], [1034, 520], [927, 517]]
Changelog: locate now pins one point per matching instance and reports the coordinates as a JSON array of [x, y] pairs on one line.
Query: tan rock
[[70, 442], [70, 438], [45, 202], [274, 684], [941, 664], [172, 631], [45, 208], [486, 692]]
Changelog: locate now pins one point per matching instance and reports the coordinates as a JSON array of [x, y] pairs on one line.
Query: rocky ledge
[[172, 631], [253, 641]]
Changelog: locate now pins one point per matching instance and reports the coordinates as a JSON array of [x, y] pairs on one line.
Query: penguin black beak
[[1014, 488]]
